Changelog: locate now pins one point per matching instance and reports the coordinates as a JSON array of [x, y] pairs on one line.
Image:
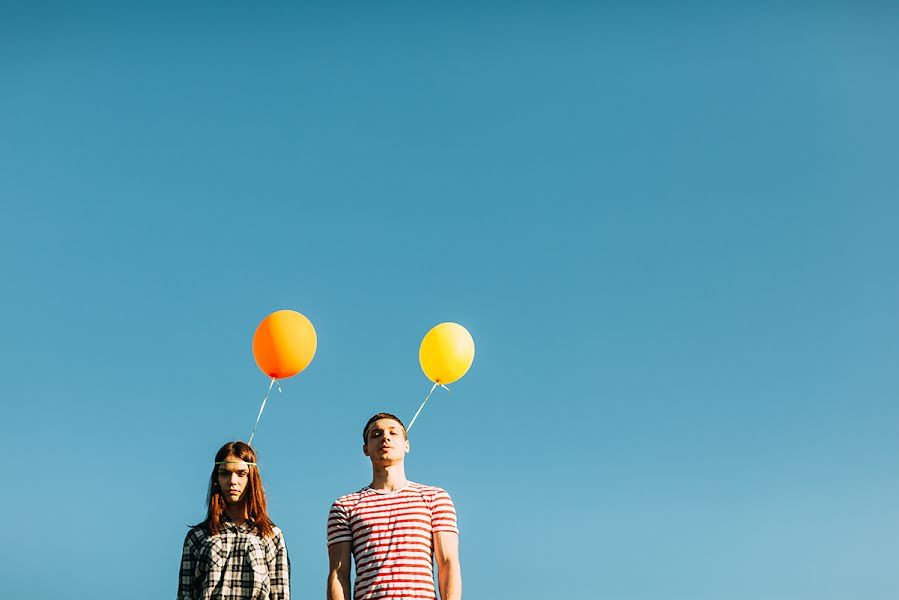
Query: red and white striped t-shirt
[[392, 537]]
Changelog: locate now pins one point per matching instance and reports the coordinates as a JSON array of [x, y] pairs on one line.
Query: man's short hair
[[378, 417]]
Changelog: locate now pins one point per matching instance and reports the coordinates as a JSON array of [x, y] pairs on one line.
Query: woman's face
[[232, 478]]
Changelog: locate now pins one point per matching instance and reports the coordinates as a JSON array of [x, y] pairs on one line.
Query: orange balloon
[[284, 344]]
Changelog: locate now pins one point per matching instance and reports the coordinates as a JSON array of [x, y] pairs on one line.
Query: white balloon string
[[261, 408], [433, 387]]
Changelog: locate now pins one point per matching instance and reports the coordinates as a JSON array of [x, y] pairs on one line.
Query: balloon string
[[261, 408], [433, 387]]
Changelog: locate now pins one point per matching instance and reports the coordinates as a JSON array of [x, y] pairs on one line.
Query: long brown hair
[[254, 492]]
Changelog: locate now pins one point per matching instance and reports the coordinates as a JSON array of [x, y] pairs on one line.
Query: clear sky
[[671, 229]]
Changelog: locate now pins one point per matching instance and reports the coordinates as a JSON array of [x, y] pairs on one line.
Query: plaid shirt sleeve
[[279, 568], [188, 569]]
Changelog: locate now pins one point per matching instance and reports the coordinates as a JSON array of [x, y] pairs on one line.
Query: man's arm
[[339, 571], [449, 572]]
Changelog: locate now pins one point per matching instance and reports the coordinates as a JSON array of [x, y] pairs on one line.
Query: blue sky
[[671, 231]]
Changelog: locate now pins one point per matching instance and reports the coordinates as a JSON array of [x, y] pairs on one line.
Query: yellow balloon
[[446, 353]]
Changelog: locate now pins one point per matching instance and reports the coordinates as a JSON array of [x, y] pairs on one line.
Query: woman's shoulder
[[274, 543], [196, 535]]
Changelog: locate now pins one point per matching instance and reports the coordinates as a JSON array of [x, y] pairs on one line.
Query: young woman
[[237, 552]]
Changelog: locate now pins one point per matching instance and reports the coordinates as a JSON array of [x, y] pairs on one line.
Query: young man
[[394, 528], [237, 552]]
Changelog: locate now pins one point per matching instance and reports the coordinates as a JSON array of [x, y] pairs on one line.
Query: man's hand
[[339, 571], [449, 572]]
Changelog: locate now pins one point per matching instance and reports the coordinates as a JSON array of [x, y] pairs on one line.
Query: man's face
[[385, 442], [232, 478]]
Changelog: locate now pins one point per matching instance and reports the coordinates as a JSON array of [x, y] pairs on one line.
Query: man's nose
[[235, 478]]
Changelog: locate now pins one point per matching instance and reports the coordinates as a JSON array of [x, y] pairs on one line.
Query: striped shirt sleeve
[[443, 513], [338, 525]]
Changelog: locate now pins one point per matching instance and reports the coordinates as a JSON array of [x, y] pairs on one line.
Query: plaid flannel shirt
[[235, 564]]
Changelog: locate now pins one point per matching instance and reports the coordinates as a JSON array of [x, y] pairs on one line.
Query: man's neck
[[388, 478], [237, 512]]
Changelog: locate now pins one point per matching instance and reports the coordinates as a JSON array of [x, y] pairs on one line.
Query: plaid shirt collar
[[229, 524]]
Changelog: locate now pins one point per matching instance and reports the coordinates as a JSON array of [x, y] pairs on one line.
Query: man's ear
[[364, 450], [407, 446]]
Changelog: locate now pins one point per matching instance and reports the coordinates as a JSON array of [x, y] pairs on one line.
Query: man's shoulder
[[427, 490], [353, 497]]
